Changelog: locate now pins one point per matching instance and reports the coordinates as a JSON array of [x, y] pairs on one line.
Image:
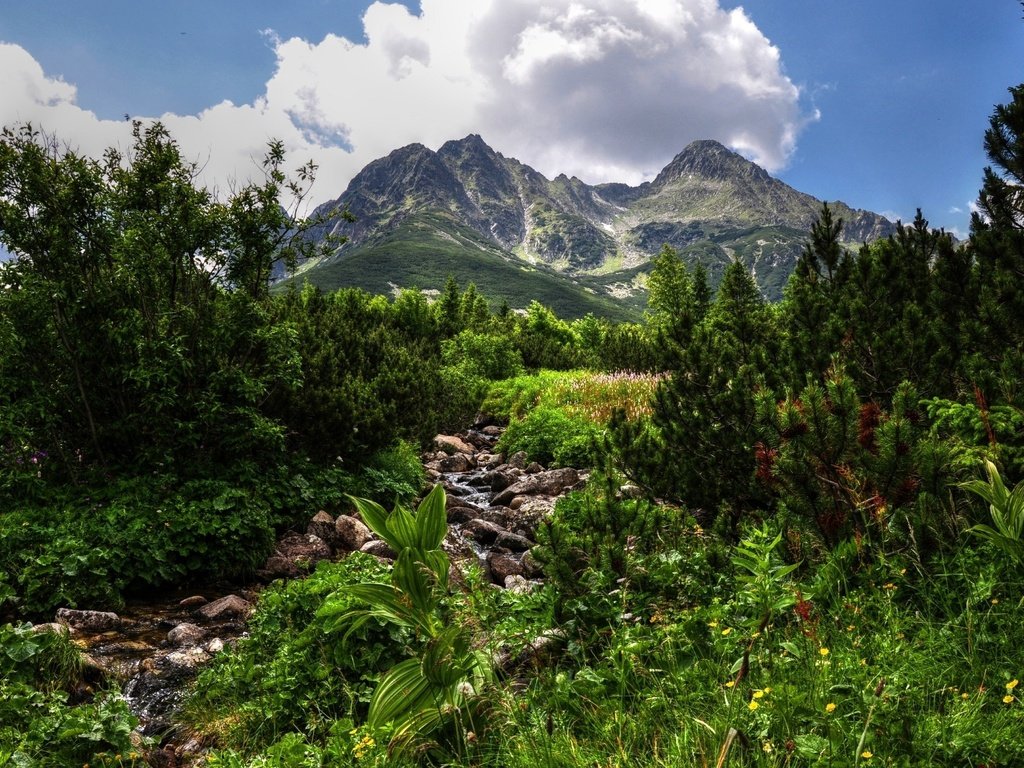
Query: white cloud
[[603, 89]]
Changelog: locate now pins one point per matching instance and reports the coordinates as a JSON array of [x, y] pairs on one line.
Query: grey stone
[[185, 634], [88, 621], [520, 585], [378, 548], [227, 608], [294, 555], [503, 565], [513, 541], [352, 533], [457, 462], [549, 483], [518, 460], [322, 526], [452, 444], [482, 531]]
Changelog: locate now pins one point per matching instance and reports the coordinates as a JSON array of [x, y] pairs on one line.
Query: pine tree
[[997, 239], [701, 448], [811, 313], [448, 309]]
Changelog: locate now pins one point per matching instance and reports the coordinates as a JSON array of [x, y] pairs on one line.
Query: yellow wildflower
[[758, 694], [730, 684], [965, 695], [713, 624], [866, 755], [753, 705], [823, 651], [830, 707], [726, 631], [1012, 684], [1008, 699]]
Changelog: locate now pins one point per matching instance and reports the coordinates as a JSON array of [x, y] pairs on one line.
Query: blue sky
[[880, 104]]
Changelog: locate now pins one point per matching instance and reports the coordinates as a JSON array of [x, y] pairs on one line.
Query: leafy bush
[[38, 727], [551, 437], [559, 417], [297, 671], [482, 355], [607, 556]]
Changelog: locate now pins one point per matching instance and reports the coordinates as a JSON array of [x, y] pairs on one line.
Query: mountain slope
[[467, 210]]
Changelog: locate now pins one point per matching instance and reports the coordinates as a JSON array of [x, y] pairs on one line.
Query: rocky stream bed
[[154, 648]]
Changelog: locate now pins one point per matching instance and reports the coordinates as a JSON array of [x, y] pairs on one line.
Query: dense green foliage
[[800, 543], [39, 671]]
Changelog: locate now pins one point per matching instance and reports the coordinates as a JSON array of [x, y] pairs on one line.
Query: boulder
[[478, 440], [533, 468], [518, 460], [227, 608], [214, 646], [352, 533], [477, 480], [186, 660], [452, 444], [185, 634], [529, 512], [193, 601], [503, 565], [294, 555], [531, 568], [450, 489], [496, 515], [549, 483], [482, 531], [322, 526], [378, 548], [457, 462], [513, 541], [500, 479], [492, 430], [88, 621], [459, 515]]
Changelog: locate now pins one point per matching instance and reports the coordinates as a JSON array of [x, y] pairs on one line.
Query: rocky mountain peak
[[709, 159]]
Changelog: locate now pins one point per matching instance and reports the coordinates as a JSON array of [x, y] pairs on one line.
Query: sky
[[881, 104]]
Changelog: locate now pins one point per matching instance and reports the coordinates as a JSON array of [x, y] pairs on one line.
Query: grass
[[428, 247], [883, 667], [559, 417], [584, 394]]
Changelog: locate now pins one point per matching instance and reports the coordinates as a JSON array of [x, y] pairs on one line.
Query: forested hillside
[[791, 534]]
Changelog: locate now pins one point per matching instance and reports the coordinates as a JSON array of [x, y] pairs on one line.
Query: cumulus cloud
[[603, 89]]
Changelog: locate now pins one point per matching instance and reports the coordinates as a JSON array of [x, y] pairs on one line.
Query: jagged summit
[[709, 202], [710, 160]]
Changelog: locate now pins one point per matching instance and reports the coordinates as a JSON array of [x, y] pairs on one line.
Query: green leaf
[[439, 564], [795, 650], [401, 691], [402, 527], [432, 519], [409, 577]]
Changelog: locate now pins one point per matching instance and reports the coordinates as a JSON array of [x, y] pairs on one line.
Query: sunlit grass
[[584, 394]]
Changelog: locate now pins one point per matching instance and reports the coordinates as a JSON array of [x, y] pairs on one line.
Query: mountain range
[[468, 211]]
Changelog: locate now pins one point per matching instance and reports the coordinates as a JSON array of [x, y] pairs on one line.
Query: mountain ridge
[[709, 202]]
